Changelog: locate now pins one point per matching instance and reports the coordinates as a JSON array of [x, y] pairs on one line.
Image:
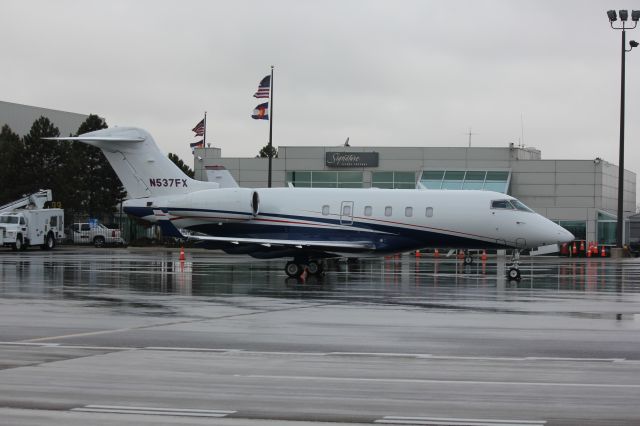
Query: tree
[[264, 152], [11, 158], [43, 160], [98, 187], [178, 162]]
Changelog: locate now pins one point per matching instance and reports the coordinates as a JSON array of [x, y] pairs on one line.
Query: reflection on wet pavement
[[100, 276]]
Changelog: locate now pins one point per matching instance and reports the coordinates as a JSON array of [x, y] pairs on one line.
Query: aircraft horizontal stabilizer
[[97, 139]]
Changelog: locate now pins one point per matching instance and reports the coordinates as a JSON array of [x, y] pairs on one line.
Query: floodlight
[[633, 43], [612, 15], [635, 15], [623, 14]]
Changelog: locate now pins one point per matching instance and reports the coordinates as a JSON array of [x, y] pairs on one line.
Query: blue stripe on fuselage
[[385, 237]]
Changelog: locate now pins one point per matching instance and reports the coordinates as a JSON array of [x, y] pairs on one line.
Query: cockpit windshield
[[512, 204], [520, 206], [501, 204]]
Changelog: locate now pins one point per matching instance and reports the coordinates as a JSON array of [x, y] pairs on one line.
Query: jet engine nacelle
[[216, 205]]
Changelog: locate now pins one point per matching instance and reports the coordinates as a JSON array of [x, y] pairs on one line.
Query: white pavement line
[[89, 333], [543, 358], [186, 412], [444, 421], [437, 381]]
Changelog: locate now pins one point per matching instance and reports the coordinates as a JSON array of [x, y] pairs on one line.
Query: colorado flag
[[261, 112]]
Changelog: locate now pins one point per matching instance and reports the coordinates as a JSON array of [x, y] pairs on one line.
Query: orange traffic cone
[[484, 255], [581, 246], [604, 252], [436, 253], [182, 254], [589, 251], [574, 250], [417, 253], [460, 254]]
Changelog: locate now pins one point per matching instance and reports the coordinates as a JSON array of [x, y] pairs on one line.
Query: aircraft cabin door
[[346, 213]]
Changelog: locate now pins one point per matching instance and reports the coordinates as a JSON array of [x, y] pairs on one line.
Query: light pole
[[624, 16]]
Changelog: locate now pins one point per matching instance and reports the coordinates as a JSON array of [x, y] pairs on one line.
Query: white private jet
[[310, 225]]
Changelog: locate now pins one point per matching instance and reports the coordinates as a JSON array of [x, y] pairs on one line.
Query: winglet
[[168, 228]]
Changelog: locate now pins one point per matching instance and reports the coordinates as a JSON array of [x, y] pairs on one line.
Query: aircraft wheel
[[315, 268], [514, 274], [468, 260], [293, 269]]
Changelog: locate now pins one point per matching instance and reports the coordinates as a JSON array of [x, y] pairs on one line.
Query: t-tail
[[142, 168]]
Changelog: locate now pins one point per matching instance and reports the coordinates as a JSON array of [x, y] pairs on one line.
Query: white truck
[[95, 233], [20, 229], [25, 222]]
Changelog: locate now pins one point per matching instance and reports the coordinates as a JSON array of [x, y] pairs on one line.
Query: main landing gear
[[513, 272], [295, 268]]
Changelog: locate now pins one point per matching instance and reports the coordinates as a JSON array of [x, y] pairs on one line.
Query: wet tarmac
[[113, 336]]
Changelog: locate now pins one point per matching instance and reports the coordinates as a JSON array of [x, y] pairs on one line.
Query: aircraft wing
[[169, 230]]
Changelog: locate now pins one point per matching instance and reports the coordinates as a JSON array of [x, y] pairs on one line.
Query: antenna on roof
[[470, 134]]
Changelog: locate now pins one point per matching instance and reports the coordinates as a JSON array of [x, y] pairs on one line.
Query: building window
[[324, 179], [607, 226], [393, 180], [368, 210], [387, 211], [577, 227], [429, 212], [408, 211], [325, 210], [466, 179]]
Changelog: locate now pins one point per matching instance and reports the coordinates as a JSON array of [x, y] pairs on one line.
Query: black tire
[[49, 242], [18, 245], [468, 260], [98, 241], [293, 269], [315, 268], [514, 274]]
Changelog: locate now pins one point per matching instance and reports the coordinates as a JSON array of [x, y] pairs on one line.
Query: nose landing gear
[[513, 271]]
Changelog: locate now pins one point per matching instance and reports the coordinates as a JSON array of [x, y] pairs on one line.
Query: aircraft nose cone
[[565, 236]]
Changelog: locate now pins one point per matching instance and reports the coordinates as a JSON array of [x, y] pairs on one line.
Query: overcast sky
[[388, 73]]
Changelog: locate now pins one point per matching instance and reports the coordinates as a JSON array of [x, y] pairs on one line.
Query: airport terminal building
[[20, 118], [580, 195]]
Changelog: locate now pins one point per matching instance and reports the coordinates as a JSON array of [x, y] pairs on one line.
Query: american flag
[[199, 144], [263, 88], [199, 129]]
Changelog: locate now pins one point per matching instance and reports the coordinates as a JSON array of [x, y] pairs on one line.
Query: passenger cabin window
[[387, 211], [22, 222], [54, 221], [429, 212], [325, 210], [368, 210], [408, 211], [346, 210], [85, 227], [501, 204]]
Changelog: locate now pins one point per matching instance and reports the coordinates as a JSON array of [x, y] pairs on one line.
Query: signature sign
[[351, 159]]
